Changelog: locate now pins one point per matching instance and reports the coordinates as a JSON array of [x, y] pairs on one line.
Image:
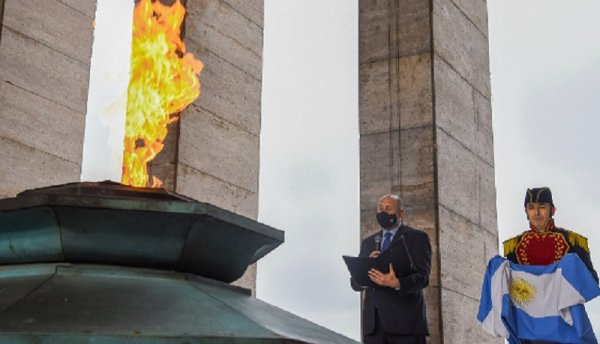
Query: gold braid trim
[[578, 240], [510, 245]]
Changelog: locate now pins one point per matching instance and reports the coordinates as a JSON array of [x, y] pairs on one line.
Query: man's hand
[[374, 254], [385, 280]]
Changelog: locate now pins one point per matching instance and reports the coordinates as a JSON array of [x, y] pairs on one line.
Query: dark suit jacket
[[403, 311]]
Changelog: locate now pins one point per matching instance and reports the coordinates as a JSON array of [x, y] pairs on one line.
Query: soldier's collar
[[550, 226]]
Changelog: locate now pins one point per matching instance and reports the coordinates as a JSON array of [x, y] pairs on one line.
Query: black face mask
[[386, 220]]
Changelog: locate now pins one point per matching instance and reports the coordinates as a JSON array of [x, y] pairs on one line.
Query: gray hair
[[395, 197]]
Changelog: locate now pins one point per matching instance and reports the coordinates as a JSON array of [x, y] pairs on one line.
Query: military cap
[[539, 195]]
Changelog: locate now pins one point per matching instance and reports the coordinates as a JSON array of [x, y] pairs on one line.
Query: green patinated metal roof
[[105, 263], [64, 303], [114, 224]]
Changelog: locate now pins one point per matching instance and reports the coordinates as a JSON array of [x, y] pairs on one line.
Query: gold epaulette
[[510, 245], [578, 240]]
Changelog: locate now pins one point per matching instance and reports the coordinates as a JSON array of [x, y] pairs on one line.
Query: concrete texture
[[70, 27], [461, 44], [45, 49], [219, 134], [164, 164], [40, 123], [426, 134], [466, 190], [24, 167], [408, 29], [212, 145], [1, 17], [414, 79]]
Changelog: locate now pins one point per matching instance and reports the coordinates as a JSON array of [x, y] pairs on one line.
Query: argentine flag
[[538, 302]]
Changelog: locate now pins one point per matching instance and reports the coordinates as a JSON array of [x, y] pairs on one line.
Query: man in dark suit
[[394, 310]]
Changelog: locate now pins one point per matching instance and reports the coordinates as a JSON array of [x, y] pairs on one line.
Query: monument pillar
[[45, 50], [426, 134], [218, 150]]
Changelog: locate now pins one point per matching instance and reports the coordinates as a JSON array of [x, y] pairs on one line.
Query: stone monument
[[426, 134]]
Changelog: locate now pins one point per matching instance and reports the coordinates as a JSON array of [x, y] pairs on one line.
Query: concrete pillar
[[426, 134], [1, 16], [45, 49], [219, 134]]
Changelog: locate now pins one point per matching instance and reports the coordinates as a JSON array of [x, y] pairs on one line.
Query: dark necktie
[[387, 238]]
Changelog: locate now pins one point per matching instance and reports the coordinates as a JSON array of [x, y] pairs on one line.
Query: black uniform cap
[[539, 195]]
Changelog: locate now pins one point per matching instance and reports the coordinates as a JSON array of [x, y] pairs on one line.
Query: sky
[[545, 68], [309, 159], [545, 72], [107, 95]]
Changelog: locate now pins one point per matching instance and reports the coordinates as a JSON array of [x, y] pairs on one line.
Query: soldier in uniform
[[544, 243]]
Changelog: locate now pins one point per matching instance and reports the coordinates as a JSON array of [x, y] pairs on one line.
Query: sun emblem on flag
[[522, 292]]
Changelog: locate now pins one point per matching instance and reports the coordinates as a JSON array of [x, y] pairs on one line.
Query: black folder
[[359, 269]]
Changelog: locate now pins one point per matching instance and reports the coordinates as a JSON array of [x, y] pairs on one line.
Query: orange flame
[[164, 81]]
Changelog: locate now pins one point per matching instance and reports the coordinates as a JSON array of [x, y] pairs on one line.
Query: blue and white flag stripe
[[538, 302], [495, 283]]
